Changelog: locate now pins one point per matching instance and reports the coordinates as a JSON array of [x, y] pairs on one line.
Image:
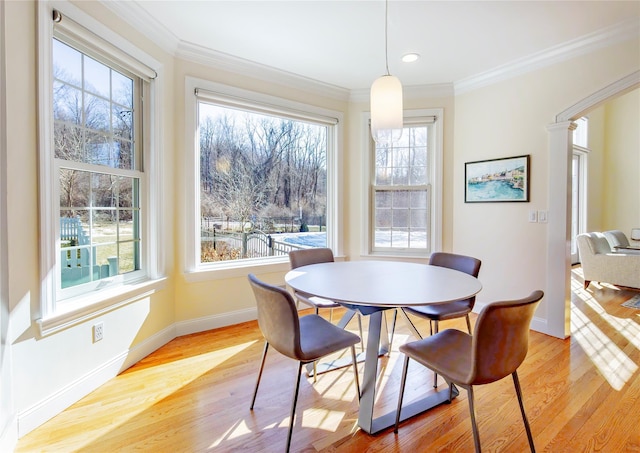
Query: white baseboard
[[540, 325], [39, 413], [215, 321]]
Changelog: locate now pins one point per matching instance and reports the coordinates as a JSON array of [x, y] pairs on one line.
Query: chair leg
[[516, 383], [393, 329], [355, 370], [412, 326], [468, 324], [403, 380], [474, 425], [435, 375], [264, 356], [360, 328], [315, 370], [293, 405]]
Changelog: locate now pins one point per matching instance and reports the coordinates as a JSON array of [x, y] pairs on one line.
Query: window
[[581, 132], [404, 191], [96, 141], [96, 202], [265, 183]]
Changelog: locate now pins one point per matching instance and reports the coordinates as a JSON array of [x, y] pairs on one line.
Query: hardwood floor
[[193, 395]]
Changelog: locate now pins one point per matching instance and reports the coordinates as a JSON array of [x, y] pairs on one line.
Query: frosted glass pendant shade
[[386, 109]]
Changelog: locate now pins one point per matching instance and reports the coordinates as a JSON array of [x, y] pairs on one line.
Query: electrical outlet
[[98, 332]]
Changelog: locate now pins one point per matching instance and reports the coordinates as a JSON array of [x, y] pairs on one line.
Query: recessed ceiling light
[[410, 57]]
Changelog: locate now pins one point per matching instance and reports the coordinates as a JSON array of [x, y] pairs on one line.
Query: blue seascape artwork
[[494, 190], [497, 180]]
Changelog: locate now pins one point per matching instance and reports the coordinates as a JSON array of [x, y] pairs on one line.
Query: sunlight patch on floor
[[616, 367], [627, 328], [326, 419], [238, 430], [169, 378], [327, 387]]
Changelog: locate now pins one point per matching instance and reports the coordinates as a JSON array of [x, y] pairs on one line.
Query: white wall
[[621, 204], [511, 118], [596, 188], [614, 165], [51, 372], [8, 432]]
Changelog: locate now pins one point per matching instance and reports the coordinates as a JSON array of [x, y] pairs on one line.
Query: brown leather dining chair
[[451, 310], [305, 339], [496, 349], [305, 257], [457, 309]]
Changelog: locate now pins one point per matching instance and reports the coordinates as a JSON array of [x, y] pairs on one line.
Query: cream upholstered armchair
[[600, 264], [619, 242]]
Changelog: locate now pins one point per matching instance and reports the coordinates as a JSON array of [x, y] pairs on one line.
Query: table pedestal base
[[411, 410], [367, 401]]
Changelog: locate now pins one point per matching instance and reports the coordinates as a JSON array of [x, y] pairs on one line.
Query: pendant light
[[386, 100]]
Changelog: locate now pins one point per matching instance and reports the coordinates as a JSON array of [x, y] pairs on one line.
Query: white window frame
[[579, 196], [56, 313], [196, 271], [435, 186]]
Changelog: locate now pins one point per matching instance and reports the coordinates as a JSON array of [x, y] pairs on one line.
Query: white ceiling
[[341, 43]]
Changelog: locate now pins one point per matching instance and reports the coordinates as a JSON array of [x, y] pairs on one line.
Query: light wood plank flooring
[[193, 395]]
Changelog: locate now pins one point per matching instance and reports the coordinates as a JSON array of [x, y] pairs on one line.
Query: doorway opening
[[560, 207]]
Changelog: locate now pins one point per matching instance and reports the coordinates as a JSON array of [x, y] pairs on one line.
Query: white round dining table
[[383, 283], [371, 287]]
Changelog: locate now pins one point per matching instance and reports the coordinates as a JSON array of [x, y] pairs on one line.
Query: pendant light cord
[[386, 35]]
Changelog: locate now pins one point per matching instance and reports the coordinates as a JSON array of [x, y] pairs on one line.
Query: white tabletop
[[383, 283]]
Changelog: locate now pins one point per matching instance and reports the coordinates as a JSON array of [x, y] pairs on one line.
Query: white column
[[558, 293]]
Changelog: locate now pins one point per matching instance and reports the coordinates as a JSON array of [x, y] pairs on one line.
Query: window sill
[[235, 269], [81, 309], [394, 256]]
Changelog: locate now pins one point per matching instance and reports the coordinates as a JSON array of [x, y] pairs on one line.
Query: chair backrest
[[501, 338], [277, 317], [304, 257], [590, 244], [467, 264], [616, 238], [462, 263]]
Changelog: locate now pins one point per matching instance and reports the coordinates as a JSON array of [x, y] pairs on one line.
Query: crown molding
[[143, 22], [138, 18], [241, 66], [622, 31]]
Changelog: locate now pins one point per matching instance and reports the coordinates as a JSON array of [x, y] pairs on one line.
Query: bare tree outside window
[[262, 183]]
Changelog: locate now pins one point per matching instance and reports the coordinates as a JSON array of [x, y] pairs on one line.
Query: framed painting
[[497, 180]]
